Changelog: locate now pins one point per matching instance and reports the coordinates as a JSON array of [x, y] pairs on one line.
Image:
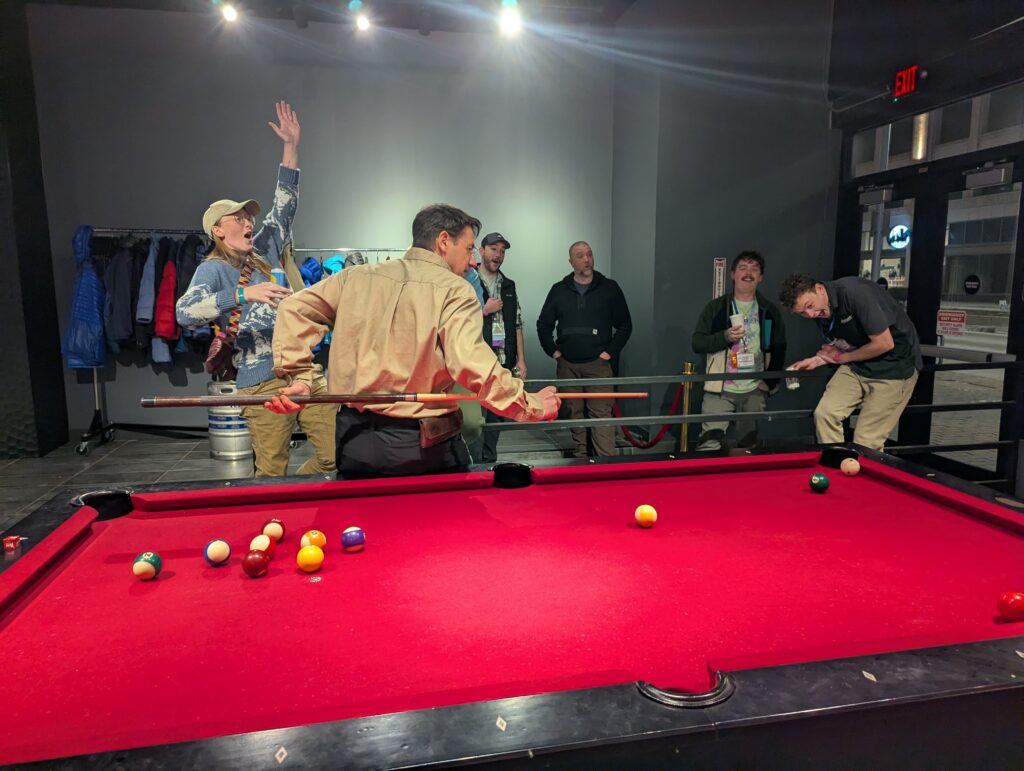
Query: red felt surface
[[471, 593]]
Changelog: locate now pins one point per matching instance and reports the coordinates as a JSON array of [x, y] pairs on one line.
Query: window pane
[[956, 122], [1005, 108], [864, 147], [902, 136]]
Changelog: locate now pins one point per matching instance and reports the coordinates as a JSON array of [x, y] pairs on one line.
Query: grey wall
[[145, 117], [732, 130]]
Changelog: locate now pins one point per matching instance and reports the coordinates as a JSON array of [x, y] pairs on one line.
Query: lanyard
[[747, 321]]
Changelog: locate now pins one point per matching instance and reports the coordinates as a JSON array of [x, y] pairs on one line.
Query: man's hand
[[812, 363], [830, 354], [266, 292], [556, 355], [289, 129], [735, 334], [281, 404], [764, 386], [493, 305], [549, 399], [521, 366], [605, 356]]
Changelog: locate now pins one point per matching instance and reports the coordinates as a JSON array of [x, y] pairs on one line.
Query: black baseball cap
[[495, 238]]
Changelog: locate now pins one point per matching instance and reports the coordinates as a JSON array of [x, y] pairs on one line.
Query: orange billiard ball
[[310, 558], [313, 538], [646, 515]]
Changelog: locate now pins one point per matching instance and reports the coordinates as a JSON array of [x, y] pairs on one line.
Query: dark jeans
[[485, 449], [372, 445]]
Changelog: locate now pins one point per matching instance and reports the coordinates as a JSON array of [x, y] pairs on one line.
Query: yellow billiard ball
[[310, 558], [850, 466], [645, 515], [313, 538]]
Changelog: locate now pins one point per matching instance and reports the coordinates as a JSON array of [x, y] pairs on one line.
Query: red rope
[[660, 435]]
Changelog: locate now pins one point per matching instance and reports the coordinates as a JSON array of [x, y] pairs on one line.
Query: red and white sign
[[719, 287], [951, 323]]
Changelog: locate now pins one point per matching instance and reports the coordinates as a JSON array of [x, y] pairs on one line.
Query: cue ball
[[313, 538], [274, 528], [147, 565], [645, 515], [353, 539], [217, 552], [310, 558], [819, 483], [264, 543], [850, 466], [255, 563], [1011, 606]]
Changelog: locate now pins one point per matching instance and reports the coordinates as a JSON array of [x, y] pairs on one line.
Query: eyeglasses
[[241, 219]]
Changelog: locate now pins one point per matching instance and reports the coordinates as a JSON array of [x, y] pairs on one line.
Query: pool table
[[528, 623]]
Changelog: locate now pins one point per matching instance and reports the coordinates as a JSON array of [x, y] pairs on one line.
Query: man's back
[[391, 326]]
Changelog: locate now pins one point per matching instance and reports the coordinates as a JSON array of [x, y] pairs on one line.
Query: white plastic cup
[[736, 320], [792, 383]]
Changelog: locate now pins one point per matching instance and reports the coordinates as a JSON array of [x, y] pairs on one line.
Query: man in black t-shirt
[[869, 335]]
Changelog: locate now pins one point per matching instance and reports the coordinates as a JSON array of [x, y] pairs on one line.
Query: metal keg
[[229, 431]]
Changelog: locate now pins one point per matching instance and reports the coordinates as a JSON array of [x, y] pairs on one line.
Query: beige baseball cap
[[222, 208]]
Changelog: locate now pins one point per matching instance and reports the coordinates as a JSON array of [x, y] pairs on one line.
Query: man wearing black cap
[[503, 330]]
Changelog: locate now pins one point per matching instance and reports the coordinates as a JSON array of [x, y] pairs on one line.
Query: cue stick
[[381, 398]]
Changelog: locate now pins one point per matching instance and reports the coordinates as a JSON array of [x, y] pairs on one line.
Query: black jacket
[[508, 316], [588, 324]]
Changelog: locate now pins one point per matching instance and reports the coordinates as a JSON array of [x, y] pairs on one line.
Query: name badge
[[745, 361]]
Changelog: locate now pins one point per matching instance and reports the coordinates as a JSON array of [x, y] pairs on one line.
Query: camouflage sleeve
[[206, 298], [277, 225]]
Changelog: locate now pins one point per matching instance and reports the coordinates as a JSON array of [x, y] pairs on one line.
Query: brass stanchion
[[684, 432]]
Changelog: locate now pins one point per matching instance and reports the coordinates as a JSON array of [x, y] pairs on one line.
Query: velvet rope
[[641, 445]]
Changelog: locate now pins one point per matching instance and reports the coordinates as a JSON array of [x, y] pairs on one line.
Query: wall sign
[[718, 289], [972, 284]]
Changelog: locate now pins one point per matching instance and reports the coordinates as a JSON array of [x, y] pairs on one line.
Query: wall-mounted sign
[[972, 284], [905, 83], [899, 237], [718, 289]]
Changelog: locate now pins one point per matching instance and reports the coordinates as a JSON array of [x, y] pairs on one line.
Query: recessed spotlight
[[229, 13], [363, 22]]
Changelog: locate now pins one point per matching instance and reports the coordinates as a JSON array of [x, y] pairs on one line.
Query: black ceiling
[[424, 15]]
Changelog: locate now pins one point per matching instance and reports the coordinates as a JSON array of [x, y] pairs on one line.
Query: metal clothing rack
[[374, 250], [99, 427]]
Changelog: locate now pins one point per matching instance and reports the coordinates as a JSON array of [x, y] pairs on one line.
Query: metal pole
[[684, 431]]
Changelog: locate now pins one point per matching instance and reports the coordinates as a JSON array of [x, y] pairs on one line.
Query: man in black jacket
[[503, 331], [593, 325]]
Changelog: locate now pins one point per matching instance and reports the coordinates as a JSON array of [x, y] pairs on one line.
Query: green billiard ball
[[147, 565], [819, 483]]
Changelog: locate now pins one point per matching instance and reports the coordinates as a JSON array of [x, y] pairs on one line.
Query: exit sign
[[906, 82]]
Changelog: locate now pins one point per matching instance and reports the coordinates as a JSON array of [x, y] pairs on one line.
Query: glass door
[[974, 311], [885, 244]]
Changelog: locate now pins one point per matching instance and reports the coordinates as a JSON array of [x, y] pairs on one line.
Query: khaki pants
[[271, 432], [712, 434], [603, 437], [881, 404]]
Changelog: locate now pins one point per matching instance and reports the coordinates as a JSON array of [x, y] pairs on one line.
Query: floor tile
[[199, 475], [116, 477]]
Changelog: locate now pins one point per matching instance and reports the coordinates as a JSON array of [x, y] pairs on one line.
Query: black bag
[[219, 358]]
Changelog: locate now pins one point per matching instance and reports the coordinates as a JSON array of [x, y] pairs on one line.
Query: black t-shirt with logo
[[861, 308]]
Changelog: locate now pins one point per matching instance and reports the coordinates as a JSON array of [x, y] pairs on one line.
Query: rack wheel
[[293, 443], [108, 435], [83, 448]]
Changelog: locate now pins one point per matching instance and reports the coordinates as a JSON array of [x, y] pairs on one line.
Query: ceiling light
[[363, 22], [229, 13], [510, 22]]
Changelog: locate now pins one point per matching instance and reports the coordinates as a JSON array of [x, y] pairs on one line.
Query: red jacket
[[163, 317]]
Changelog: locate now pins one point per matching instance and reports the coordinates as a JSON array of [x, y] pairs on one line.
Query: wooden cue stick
[[241, 401]]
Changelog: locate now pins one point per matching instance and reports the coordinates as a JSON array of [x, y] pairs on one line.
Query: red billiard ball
[[274, 528], [1011, 606], [255, 563], [263, 542]]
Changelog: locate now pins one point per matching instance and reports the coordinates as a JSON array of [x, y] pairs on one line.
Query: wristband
[[241, 295]]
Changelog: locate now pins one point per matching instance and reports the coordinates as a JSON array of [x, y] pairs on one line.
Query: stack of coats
[[124, 296]]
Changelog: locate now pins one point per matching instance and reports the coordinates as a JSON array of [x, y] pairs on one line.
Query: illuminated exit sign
[[906, 82]]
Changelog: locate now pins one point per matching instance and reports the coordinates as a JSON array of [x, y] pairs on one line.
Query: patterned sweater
[[212, 295]]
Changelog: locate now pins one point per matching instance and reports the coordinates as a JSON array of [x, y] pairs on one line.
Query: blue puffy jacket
[[84, 344]]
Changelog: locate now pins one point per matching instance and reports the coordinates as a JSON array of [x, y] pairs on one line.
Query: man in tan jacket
[[405, 326]]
